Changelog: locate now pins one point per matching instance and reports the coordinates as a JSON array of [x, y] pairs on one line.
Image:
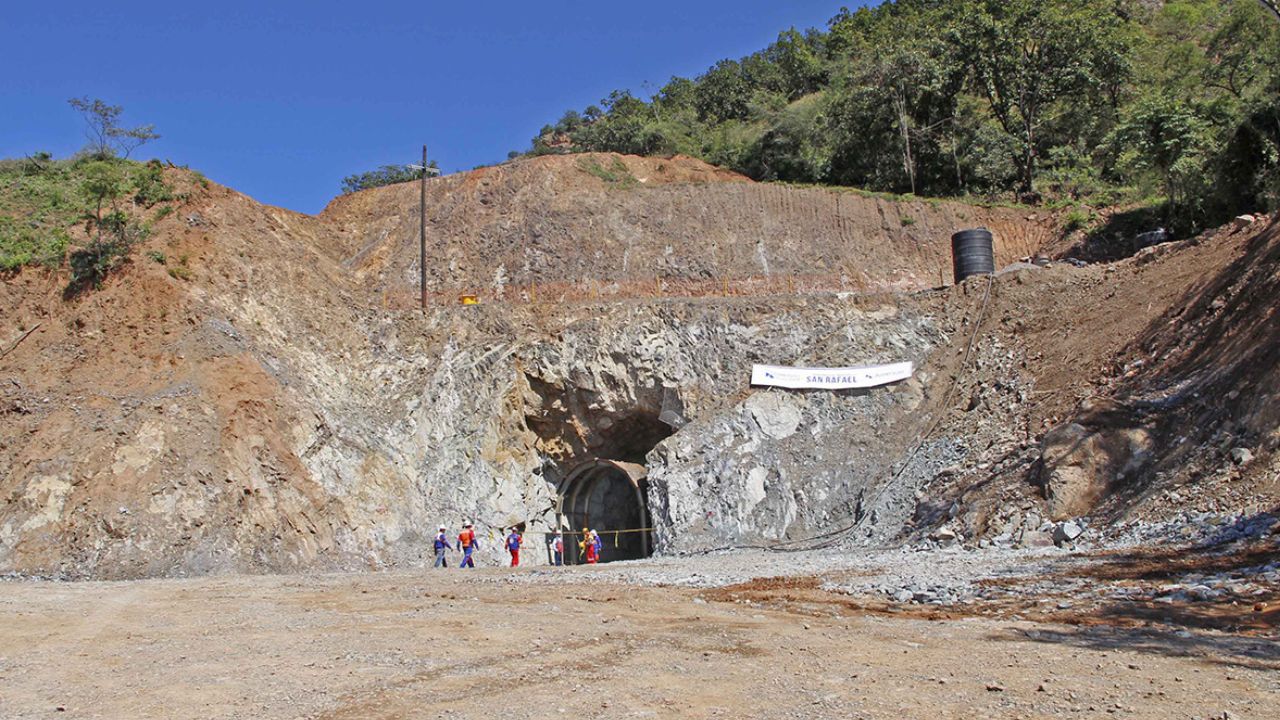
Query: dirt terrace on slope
[[555, 221]]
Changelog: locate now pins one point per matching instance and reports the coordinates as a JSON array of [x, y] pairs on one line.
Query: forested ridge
[[1171, 105]]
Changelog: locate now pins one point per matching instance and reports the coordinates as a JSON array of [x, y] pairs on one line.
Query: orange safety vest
[[466, 537]]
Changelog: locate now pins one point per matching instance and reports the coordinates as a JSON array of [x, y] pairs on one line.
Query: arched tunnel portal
[[610, 497]]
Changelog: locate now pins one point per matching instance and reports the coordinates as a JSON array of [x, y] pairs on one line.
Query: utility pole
[[422, 233]]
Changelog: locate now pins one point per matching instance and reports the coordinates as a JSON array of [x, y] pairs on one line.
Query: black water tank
[[972, 253]]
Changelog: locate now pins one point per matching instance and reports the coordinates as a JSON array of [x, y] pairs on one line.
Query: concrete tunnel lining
[[607, 495]]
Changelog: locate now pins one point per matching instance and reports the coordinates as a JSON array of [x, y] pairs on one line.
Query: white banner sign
[[830, 378]]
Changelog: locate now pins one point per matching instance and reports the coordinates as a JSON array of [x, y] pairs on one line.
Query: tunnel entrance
[[593, 451], [610, 497]]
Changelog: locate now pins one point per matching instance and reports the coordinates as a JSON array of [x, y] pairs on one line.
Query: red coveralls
[[513, 545]]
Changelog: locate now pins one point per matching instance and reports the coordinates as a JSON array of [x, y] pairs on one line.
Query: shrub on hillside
[[21, 244], [42, 199], [115, 237], [385, 175]]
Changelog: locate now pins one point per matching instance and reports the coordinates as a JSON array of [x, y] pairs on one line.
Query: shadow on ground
[[1255, 653]]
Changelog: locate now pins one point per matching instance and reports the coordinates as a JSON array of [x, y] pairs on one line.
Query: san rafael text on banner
[[842, 378]]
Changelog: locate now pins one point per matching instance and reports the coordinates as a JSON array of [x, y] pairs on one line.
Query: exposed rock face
[[785, 464], [1081, 466], [749, 465], [281, 456]]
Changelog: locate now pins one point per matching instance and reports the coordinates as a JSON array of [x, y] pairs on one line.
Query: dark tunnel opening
[[594, 455], [611, 498]]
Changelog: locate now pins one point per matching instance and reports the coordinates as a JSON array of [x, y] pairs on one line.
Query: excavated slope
[[551, 222], [277, 412]]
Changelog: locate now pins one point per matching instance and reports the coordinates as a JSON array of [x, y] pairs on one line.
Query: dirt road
[[469, 645]]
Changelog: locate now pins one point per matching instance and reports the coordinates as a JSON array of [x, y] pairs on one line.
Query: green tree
[[847, 29], [1236, 60], [678, 94], [570, 122], [1027, 55], [794, 147], [799, 61], [106, 137], [723, 93], [627, 125], [905, 82], [1248, 169], [105, 181], [893, 102], [113, 233], [1171, 142]]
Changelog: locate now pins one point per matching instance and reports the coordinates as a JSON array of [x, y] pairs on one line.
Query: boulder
[[944, 535], [1035, 539], [1080, 465], [776, 413], [1241, 456], [1066, 532], [1072, 480], [1154, 237]]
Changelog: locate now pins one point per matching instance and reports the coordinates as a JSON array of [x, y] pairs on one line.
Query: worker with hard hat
[[468, 544], [514, 541], [442, 546], [587, 545], [557, 549]]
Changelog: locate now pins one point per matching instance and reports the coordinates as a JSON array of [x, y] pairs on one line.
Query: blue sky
[[282, 99]]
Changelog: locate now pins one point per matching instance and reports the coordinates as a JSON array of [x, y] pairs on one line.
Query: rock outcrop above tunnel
[[552, 227]]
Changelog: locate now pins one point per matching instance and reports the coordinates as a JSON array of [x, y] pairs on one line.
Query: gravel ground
[[932, 573], [858, 571], [604, 642]]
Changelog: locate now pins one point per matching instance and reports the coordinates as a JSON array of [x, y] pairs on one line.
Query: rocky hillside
[[620, 223], [280, 406]]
